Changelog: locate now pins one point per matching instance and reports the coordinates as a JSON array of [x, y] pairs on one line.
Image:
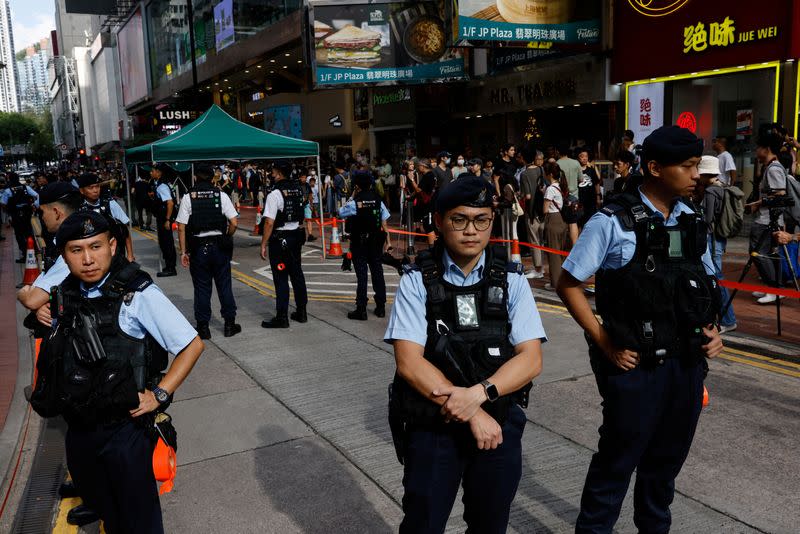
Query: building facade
[[9, 97], [34, 90]]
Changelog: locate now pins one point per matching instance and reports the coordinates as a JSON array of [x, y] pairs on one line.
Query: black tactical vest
[[118, 230], [365, 225], [292, 203], [659, 302], [103, 368], [468, 331], [21, 202], [160, 206], [207, 213]]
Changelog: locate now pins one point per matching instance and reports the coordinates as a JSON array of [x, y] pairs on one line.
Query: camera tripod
[[772, 227]]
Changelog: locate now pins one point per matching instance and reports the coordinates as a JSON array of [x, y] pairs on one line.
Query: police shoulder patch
[[410, 268], [514, 267]]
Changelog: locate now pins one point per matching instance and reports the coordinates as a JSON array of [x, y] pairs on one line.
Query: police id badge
[[467, 311]]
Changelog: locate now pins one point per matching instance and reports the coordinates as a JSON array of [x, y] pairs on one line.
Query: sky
[[31, 20]]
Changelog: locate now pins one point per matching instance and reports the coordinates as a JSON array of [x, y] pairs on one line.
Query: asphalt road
[[285, 431]]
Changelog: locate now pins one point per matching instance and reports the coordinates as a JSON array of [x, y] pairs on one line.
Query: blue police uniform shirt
[[163, 192], [408, 322], [116, 211], [7, 194], [74, 182], [349, 209], [151, 312], [604, 244], [56, 274]]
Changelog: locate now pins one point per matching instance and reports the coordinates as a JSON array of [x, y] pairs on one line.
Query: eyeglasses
[[460, 224]]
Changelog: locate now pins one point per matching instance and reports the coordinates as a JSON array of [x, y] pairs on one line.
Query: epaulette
[[410, 268], [514, 267]]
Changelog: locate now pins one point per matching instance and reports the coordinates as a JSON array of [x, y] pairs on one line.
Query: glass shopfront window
[[169, 42], [221, 23]]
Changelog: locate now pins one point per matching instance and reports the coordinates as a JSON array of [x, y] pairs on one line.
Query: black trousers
[[285, 255], [166, 243], [364, 257], [22, 231], [438, 461], [112, 467], [210, 263], [761, 242], [649, 418]]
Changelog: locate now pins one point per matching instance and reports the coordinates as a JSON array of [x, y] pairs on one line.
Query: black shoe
[[21, 260], [311, 238], [359, 314], [67, 490], [276, 322], [167, 272], [202, 331], [231, 329], [300, 315], [82, 515], [380, 311]]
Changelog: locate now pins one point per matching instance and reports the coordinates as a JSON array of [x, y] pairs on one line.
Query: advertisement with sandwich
[[553, 21], [381, 42]]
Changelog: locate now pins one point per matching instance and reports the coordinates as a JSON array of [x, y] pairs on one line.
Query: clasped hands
[[463, 405]]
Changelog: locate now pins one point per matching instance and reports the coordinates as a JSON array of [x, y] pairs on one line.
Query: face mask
[[461, 162], [447, 161]]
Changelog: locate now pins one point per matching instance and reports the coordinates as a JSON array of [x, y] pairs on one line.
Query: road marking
[[769, 359], [64, 506], [760, 365]]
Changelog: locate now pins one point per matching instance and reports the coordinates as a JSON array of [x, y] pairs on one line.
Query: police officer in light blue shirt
[[19, 200], [659, 304], [115, 372], [108, 207], [166, 211], [467, 341]]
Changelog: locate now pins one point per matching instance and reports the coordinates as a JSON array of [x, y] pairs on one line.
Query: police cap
[[87, 179], [472, 191], [80, 225], [363, 179], [670, 145], [163, 167], [283, 167], [56, 191]]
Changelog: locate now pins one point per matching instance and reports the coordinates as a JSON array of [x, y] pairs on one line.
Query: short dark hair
[[625, 156], [785, 159], [582, 149], [770, 140], [506, 147], [71, 202], [204, 173], [629, 134]]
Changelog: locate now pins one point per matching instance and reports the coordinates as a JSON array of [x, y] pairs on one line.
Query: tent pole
[[320, 184], [192, 174]]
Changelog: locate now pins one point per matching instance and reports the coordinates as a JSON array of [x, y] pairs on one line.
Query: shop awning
[[215, 135]]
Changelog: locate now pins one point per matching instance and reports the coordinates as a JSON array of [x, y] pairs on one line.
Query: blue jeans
[[716, 247]]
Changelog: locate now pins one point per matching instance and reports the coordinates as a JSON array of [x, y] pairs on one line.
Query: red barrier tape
[[531, 245], [751, 287]]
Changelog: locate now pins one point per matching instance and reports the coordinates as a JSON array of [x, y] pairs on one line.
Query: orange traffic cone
[[705, 396], [174, 226], [335, 251], [516, 257], [31, 267], [257, 226]]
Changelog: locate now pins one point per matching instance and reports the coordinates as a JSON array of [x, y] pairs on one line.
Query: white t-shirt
[[553, 194], [774, 178], [185, 211], [273, 205], [726, 165]]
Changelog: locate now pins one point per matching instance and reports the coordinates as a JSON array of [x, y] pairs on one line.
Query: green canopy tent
[[215, 135]]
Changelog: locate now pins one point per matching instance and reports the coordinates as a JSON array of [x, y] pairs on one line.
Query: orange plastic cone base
[[335, 250], [31, 267], [165, 466], [705, 397], [516, 257], [256, 227]]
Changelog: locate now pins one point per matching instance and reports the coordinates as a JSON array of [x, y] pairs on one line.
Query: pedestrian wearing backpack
[[773, 183], [711, 196], [556, 230]]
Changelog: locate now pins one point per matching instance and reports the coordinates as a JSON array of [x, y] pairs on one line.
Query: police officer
[[366, 220], [283, 238], [166, 210], [20, 201], [467, 340], [206, 224], [658, 301], [113, 334], [141, 190], [106, 206]]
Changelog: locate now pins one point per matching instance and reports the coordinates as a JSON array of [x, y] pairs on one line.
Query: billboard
[[91, 7], [223, 24], [645, 109], [284, 120], [555, 21], [130, 41], [399, 42], [700, 35]]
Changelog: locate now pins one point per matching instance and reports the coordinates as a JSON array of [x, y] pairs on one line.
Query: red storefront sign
[[654, 38]]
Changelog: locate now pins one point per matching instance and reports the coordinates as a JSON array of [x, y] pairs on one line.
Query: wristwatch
[[161, 395], [491, 391]]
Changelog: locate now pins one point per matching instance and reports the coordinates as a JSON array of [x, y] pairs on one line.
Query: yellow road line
[[61, 526], [770, 359], [760, 365]]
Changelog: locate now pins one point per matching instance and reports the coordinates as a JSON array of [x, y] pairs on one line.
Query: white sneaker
[[768, 299], [729, 328], [548, 287], [759, 294], [534, 275]]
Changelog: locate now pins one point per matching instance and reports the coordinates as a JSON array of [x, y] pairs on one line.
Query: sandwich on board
[[353, 47]]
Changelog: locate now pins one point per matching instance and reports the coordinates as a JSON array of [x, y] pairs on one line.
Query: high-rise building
[[9, 98], [34, 93]]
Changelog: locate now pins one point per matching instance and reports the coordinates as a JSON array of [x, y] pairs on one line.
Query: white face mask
[[447, 161], [460, 162]]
